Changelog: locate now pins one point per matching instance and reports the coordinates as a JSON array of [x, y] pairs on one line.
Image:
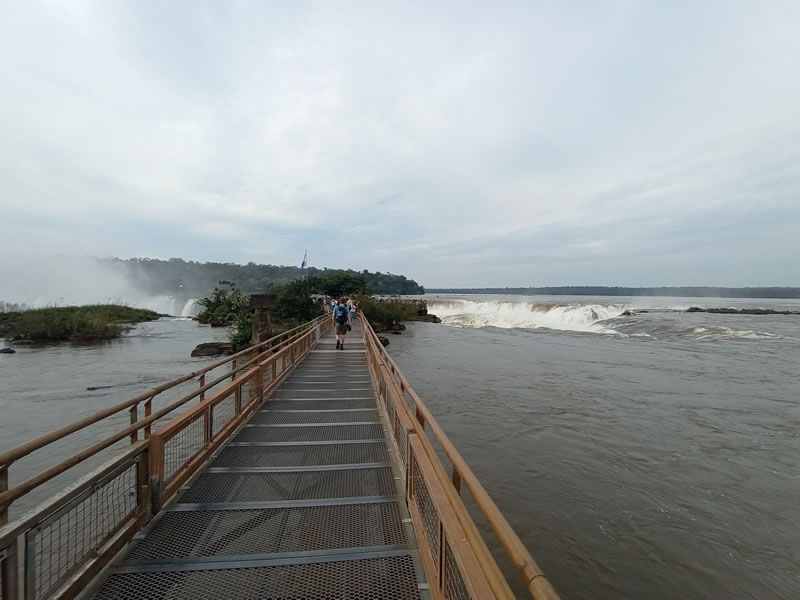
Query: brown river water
[[649, 456]]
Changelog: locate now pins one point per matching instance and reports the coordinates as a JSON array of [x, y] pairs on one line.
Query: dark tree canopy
[[340, 284], [193, 279]]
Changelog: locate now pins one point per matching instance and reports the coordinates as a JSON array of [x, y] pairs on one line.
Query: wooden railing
[[457, 561], [67, 540]]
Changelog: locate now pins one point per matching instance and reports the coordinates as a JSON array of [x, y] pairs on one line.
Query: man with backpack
[[341, 321]]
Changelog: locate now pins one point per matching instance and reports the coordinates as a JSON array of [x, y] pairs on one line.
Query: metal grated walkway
[[303, 502]]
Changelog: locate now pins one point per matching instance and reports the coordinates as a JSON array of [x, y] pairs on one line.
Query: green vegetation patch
[[386, 316], [72, 323], [228, 307]]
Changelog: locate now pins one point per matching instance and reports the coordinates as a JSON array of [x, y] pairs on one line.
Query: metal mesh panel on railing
[[427, 511], [391, 411], [266, 377], [223, 413], [382, 392], [454, 587], [66, 538], [248, 390], [178, 450], [401, 437]]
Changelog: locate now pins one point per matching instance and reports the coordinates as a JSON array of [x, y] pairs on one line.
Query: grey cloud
[[469, 144]]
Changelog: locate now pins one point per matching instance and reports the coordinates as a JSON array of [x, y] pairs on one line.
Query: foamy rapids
[[592, 318], [509, 315]]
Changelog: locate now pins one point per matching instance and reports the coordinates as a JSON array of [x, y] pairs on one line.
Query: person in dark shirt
[[341, 321]]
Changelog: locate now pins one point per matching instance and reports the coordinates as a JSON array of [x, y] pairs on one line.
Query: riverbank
[[72, 323]]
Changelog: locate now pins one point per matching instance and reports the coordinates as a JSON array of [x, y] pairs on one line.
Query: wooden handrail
[[10, 495], [534, 579], [151, 487], [14, 454], [490, 568], [190, 414]]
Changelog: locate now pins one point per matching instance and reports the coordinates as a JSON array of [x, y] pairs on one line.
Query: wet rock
[[426, 318], [383, 340], [213, 349], [7, 351]]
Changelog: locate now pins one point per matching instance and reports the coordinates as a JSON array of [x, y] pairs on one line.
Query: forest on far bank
[[195, 279], [600, 290]]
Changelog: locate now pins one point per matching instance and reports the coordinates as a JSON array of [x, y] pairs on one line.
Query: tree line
[[599, 290], [192, 279], [295, 304]]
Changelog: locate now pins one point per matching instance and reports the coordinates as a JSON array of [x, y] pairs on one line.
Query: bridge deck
[[303, 502]]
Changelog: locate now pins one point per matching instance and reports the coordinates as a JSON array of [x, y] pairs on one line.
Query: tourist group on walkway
[[344, 311]]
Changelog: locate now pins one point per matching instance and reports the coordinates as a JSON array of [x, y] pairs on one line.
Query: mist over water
[[39, 281]]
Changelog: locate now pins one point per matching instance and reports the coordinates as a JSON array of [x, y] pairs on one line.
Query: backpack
[[341, 315]]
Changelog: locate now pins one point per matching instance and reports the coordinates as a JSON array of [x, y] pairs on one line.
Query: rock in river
[[213, 349]]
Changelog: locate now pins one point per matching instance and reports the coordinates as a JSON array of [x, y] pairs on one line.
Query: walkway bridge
[[300, 472]]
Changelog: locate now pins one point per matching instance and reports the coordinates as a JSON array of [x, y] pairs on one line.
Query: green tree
[[293, 301], [224, 305], [341, 284]]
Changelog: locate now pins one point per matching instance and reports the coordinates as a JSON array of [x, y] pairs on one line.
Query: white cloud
[[436, 128]]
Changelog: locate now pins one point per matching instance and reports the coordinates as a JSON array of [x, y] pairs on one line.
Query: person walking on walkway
[[341, 321]]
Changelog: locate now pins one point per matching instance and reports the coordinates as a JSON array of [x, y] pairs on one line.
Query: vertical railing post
[[237, 399], [8, 566], [3, 488], [202, 383], [233, 368], [156, 460], [457, 480], [148, 410], [208, 424], [143, 497], [134, 412]]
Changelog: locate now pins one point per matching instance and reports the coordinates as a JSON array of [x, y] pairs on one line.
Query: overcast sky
[[461, 144]]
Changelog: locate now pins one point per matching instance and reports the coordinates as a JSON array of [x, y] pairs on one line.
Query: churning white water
[[191, 308], [528, 315]]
